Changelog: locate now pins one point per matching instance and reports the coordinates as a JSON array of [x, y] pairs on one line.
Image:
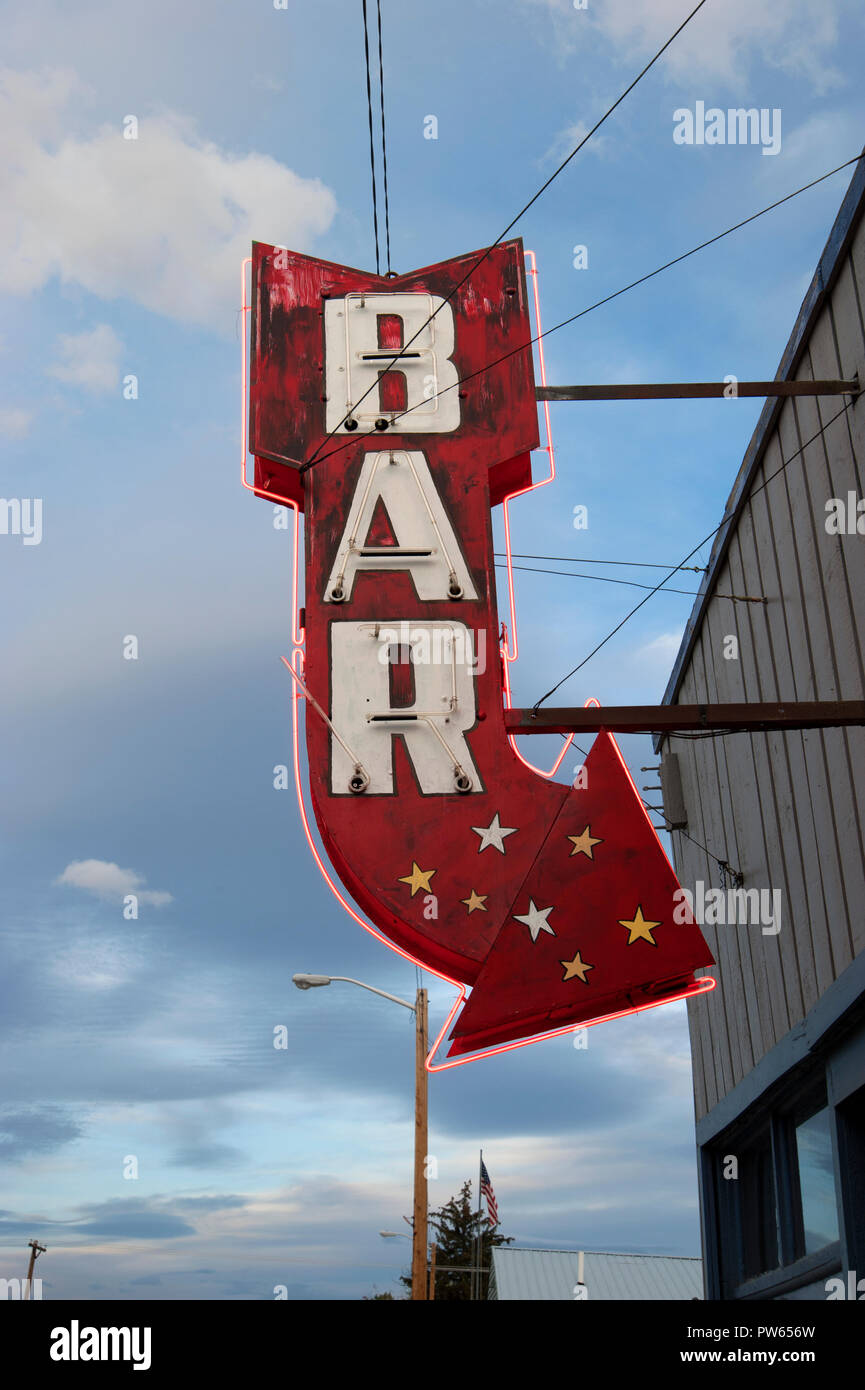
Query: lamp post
[[420, 1009]]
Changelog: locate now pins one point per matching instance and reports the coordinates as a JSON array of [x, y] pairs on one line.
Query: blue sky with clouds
[[153, 1038]]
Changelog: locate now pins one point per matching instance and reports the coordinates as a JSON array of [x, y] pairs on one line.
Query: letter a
[[404, 484]]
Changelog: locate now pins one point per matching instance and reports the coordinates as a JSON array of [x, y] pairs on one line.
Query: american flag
[[487, 1191]]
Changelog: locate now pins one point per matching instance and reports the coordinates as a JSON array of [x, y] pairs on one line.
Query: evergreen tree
[[454, 1227]]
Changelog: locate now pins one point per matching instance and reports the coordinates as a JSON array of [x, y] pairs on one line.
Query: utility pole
[[35, 1251], [419, 1245], [432, 1271]]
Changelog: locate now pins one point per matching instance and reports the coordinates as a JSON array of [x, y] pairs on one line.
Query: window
[[757, 1211], [816, 1181], [776, 1205]]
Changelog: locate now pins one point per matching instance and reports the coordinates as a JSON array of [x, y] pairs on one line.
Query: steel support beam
[[665, 390], [640, 719]]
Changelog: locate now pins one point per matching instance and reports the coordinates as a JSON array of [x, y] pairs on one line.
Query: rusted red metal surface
[[448, 842], [287, 365]]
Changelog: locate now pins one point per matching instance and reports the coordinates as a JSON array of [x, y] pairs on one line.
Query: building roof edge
[[828, 268]]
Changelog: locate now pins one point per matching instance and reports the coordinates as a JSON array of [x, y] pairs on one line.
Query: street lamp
[[420, 1009], [431, 1285], [313, 981]]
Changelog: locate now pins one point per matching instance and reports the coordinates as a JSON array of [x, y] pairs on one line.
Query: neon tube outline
[[703, 985]]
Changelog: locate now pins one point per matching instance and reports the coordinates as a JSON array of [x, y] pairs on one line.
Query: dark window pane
[[817, 1181], [759, 1226]]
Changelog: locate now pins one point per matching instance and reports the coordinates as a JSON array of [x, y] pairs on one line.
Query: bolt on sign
[[372, 412]]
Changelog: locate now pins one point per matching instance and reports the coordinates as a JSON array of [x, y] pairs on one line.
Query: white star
[[493, 834], [536, 919]]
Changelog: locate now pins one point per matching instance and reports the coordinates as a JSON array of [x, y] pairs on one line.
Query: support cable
[[598, 304], [316, 458], [383, 142], [727, 517], [371, 137]]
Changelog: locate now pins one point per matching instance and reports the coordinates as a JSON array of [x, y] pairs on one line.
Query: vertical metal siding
[[786, 809]]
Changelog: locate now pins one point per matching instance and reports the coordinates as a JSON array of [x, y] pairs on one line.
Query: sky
[[151, 1135]]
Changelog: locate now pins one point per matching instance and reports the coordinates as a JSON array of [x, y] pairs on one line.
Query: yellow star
[[583, 843], [418, 878], [640, 929], [576, 967], [475, 902]]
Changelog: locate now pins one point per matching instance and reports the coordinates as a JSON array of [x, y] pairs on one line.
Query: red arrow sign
[[594, 926], [371, 409]]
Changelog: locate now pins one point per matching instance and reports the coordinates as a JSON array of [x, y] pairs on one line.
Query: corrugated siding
[[550, 1275], [785, 809]]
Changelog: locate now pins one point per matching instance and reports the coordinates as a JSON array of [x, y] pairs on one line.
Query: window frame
[[726, 1215]]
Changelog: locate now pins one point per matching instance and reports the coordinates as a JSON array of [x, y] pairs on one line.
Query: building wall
[[786, 809]]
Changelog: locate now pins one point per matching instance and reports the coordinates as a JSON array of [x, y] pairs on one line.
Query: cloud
[[15, 423], [163, 220], [117, 1219], [568, 139], [110, 882], [722, 42], [36, 1130], [90, 360], [206, 1155], [819, 143], [227, 1201], [660, 653], [143, 1225], [91, 964]]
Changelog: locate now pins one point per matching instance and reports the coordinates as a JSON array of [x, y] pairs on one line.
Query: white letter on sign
[[354, 358], [426, 545], [433, 725]]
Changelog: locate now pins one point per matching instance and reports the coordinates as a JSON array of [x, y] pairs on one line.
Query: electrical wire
[[371, 137], [669, 827], [728, 516], [706, 733], [599, 303], [600, 578], [383, 141], [722, 863], [592, 560], [310, 463]]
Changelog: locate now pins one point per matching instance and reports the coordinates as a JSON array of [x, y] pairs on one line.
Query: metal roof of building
[[552, 1275]]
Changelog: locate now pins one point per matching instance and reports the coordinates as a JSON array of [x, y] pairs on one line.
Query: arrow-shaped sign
[[373, 409]]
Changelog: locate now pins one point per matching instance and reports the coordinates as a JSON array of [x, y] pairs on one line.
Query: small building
[[769, 828], [597, 1276]]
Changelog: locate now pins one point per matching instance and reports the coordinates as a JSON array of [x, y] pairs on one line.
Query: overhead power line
[[383, 141], [600, 578], [371, 136], [599, 303], [723, 864], [593, 560], [725, 518], [631, 583], [316, 457]]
